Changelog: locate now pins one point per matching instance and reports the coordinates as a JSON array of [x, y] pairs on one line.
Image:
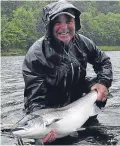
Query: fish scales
[[63, 120]]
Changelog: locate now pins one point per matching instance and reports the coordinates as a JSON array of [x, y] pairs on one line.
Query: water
[[107, 131]]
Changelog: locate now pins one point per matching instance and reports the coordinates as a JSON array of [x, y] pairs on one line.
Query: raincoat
[[56, 75]]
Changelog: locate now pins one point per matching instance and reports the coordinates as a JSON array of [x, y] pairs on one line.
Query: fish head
[[32, 126]]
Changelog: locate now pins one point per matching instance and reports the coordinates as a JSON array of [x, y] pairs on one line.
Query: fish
[[64, 120]]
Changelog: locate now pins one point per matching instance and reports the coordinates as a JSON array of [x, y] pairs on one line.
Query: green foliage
[[14, 52], [21, 30], [110, 48], [7, 7], [103, 29], [108, 6], [21, 22], [4, 25]]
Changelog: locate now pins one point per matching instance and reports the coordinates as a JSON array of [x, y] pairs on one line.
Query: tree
[[102, 29], [21, 31], [107, 6], [7, 7]]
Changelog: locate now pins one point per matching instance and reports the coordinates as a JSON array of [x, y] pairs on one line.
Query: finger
[[52, 136], [100, 96], [46, 138], [93, 88], [103, 99]]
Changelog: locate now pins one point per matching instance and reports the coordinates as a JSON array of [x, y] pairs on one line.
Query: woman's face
[[64, 28]]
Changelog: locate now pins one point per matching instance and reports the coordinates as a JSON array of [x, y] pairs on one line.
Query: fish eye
[[26, 124]]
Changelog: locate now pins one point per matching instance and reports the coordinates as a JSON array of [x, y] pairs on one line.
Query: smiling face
[[64, 28]]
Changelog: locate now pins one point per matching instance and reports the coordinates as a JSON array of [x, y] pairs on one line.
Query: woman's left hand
[[102, 91], [50, 137]]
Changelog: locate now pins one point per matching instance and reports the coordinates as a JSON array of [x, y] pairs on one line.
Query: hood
[[54, 8]]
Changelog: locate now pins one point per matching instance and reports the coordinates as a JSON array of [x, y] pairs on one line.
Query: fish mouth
[[20, 132], [18, 129]]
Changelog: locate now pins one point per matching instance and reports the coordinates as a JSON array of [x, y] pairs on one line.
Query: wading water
[[107, 130]]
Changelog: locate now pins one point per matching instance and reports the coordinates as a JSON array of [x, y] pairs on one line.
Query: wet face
[[64, 28]]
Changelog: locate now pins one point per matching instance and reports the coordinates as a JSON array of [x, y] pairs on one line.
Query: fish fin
[[74, 134], [53, 121], [38, 142], [20, 141], [95, 110], [6, 127], [110, 95], [80, 129]]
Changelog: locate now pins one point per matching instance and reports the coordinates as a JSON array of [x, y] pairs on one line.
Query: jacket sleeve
[[101, 64], [35, 87]]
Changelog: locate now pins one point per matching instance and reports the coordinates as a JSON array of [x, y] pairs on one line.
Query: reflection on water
[[107, 130]]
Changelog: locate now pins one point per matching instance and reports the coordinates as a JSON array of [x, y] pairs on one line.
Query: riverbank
[[107, 126], [18, 52], [110, 48], [13, 52]]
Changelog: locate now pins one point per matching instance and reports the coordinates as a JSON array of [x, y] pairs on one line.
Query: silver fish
[[63, 121]]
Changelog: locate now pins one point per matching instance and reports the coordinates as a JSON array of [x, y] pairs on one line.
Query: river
[[12, 88]]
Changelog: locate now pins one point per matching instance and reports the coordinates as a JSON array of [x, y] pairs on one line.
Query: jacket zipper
[[65, 80], [72, 72], [72, 76], [78, 73]]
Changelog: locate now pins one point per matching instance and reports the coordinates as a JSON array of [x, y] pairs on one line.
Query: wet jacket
[[55, 76]]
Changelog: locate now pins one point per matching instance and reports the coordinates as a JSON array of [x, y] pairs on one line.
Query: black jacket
[[57, 76]]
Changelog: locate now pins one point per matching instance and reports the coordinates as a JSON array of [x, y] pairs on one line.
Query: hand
[[50, 137], [102, 91]]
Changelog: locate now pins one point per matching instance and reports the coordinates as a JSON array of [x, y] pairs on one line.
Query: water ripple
[[12, 91]]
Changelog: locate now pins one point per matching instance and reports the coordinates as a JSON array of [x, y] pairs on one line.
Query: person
[[54, 68]]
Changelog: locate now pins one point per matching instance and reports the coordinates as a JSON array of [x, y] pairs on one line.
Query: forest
[[21, 22]]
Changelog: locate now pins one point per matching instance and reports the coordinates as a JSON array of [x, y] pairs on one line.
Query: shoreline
[[21, 52]]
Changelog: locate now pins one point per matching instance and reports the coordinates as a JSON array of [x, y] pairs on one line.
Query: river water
[[107, 131]]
